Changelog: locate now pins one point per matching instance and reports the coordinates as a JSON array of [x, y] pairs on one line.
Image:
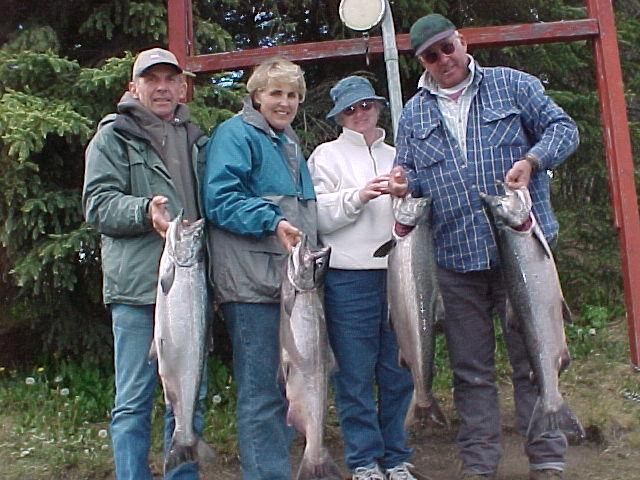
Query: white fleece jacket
[[354, 230]]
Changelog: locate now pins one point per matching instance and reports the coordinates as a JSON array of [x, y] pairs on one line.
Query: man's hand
[[398, 184], [519, 174], [374, 188], [158, 214], [288, 235]]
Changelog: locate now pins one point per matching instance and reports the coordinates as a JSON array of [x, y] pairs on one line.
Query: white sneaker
[[371, 472], [400, 472]]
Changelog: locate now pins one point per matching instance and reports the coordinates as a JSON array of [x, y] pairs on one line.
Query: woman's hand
[[374, 188], [288, 235], [398, 184]]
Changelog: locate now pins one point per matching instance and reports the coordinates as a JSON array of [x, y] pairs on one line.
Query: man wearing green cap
[[140, 172], [467, 128]]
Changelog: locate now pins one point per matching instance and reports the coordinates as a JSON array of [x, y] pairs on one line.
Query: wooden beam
[[619, 159], [482, 37]]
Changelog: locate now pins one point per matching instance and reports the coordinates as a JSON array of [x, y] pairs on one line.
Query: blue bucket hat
[[351, 90]]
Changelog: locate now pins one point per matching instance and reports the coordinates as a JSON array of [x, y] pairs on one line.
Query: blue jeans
[[366, 350], [135, 391], [470, 299], [263, 436]]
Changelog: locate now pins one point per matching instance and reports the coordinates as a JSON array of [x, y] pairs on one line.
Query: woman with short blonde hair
[[259, 199], [277, 70]]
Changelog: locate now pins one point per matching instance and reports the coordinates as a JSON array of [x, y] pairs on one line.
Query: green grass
[[55, 419]]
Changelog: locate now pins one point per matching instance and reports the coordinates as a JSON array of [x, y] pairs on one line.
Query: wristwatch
[[533, 161]]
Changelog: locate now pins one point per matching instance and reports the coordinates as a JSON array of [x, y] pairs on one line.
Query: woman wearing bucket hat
[[350, 175]]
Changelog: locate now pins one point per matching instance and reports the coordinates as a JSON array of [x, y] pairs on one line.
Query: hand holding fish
[[288, 235], [158, 214], [374, 188], [398, 184], [519, 174]]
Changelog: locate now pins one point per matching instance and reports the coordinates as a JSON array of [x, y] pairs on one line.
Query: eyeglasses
[[432, 55], [366, 106]]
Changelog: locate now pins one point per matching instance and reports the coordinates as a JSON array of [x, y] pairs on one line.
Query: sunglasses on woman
[[432, 55], [366, 106]]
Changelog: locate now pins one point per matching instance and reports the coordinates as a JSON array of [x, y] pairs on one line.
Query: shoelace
[[400, 472], [363, 473]]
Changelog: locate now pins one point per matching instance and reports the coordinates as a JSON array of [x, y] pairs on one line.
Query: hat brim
[[177, 67], [433, 40], [347, 102]]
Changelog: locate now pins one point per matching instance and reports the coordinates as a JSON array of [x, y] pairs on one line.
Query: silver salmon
[[306, 358], [414, 301], [180, 335], [536, 306]]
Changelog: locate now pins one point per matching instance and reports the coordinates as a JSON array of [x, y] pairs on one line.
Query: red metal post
[[180, 25], [619, 158]]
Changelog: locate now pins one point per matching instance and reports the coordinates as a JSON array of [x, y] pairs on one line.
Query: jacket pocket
[[428, 146], [502, 126]]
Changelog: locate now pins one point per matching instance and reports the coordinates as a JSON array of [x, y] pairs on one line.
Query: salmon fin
[[153, 352], [538, 235], [563, 420], [384, 249], [294, 419], [564, 360], [325, 468], [166, 279], [566, 313], [332, 363], [511, 318], [402, 361], [439, 310], [410, 417]]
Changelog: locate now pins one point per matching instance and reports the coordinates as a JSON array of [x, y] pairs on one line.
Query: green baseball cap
[[428, 30]]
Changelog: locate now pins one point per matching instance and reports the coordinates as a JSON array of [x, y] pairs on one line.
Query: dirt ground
[[435, 459]]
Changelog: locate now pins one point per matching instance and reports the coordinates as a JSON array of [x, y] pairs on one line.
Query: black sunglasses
[[432, 55], [366, 106]]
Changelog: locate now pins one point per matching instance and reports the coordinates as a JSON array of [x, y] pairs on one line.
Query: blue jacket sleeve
[[229, 198], [554, 133], [404, 152]]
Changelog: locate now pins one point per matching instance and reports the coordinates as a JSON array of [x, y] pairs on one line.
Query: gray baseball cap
[[155, 56]]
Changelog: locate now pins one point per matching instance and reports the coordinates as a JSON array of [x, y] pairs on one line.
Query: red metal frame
[[599, 28]]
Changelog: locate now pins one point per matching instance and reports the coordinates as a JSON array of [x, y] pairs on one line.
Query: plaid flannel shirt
[[509, 116]]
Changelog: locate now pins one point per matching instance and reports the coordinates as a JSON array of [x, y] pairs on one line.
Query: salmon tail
[[436, 415], [423, 414], [325, 468], [564, 420], [201, 452], [179, 455]]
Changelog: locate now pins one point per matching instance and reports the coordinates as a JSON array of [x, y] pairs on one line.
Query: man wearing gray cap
[[466, 128], [141, 170]]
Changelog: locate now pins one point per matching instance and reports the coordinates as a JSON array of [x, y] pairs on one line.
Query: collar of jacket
[[126, 124], [426, 82], [355, 138], [254, 118]]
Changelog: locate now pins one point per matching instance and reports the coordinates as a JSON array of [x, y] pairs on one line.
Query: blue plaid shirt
[[509, 116]]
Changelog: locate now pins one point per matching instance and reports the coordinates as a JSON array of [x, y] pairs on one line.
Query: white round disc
[[361, 14]]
